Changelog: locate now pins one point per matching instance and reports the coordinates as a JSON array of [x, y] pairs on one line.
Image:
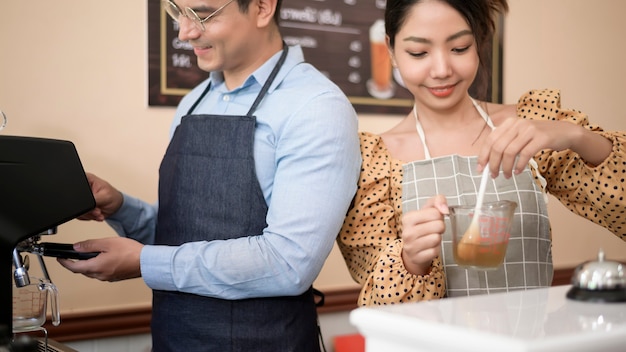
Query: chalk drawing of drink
[[380, 85]]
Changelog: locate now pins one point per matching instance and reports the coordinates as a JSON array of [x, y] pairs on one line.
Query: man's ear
[[265, 10]]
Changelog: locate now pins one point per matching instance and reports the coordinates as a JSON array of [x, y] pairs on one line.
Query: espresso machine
[[42, 185]]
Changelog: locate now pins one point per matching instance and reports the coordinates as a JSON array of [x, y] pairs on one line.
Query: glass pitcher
[[30, 305]]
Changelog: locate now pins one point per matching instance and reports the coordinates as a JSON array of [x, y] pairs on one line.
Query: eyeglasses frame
[[190, 14]]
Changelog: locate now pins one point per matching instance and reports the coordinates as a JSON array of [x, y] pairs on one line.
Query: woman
[[395, 239]]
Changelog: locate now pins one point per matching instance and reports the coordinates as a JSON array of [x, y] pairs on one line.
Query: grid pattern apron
[[528, 260], [208, 190]]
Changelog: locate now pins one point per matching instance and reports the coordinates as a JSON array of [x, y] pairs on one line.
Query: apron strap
[[195, 103], [482, 113], [420, 130], [532, 163], [269, 80], [261, 94]]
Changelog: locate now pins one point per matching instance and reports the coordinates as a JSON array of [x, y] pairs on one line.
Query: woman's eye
[[461, 49], [418, 54]]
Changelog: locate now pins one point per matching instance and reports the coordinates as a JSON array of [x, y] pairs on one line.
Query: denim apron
[[528, 260], [208, 190]]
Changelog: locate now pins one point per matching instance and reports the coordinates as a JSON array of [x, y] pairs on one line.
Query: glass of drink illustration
[[380, 85]]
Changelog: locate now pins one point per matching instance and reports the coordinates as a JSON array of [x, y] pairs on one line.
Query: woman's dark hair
[[479, 14], [243, 7]]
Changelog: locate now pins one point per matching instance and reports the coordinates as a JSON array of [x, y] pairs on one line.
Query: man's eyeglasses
[[175, 13]]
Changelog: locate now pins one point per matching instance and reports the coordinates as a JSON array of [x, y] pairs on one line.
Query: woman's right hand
[[421, 235], [108, 199]]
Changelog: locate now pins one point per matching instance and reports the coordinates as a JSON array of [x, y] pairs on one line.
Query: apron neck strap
[[264, 89], [269, 80], [420, 130]]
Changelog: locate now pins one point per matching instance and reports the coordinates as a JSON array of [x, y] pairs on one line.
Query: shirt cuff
[[396, 251], [134, 219], [156, 270], [130, 209]]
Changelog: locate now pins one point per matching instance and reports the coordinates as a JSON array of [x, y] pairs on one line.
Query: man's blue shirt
[[307, 161]]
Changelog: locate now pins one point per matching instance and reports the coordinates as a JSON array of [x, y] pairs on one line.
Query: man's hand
[[118, 259], [108, 199]]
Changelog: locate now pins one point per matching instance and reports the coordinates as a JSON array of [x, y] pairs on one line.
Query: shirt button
[[226, 98]]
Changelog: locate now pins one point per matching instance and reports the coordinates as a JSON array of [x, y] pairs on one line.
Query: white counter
[[521, 321]]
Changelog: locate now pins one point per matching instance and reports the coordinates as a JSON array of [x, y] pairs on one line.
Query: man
[[260, 170]]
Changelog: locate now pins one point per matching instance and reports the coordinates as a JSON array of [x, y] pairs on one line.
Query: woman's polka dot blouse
[[370, 237]]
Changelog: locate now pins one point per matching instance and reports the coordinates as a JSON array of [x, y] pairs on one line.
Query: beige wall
[[76, 70]]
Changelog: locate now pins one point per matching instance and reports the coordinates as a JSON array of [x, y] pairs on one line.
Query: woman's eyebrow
[[428, 41]]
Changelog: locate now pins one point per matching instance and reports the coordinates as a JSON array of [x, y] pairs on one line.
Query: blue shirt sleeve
[[308, 160], [135, 219], [317, 165]]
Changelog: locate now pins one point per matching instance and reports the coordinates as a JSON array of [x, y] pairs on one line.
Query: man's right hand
[[108, 199]]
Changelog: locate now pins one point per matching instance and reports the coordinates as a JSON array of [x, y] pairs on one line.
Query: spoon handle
[[481, 189]]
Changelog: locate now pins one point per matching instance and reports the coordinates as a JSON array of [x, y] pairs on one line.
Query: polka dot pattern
[[596, 193], [370, 237]]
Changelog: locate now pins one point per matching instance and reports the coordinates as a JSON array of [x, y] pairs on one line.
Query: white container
[[521, 321]]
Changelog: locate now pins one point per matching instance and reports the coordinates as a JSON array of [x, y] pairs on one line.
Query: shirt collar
[[295, 56]]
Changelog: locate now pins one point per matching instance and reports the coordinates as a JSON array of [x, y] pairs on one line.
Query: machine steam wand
[[29, 245]]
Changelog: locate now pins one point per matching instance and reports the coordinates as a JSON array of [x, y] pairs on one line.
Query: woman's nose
[[440, 66]]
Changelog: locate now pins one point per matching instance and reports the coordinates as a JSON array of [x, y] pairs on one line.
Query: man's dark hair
[[243, 7]]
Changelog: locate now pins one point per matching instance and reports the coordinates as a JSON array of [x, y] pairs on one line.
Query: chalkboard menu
[[344, 39]]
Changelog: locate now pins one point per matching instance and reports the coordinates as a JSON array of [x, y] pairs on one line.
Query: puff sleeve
[[369, 239], [594, 192]]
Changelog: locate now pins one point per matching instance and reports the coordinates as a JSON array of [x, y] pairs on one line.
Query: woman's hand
[[421, 235], [511, 145]]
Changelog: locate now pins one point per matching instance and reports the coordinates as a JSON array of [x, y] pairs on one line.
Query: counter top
[[534, 320]]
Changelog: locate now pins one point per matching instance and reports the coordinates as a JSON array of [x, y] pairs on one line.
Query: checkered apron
[[528, 260]]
